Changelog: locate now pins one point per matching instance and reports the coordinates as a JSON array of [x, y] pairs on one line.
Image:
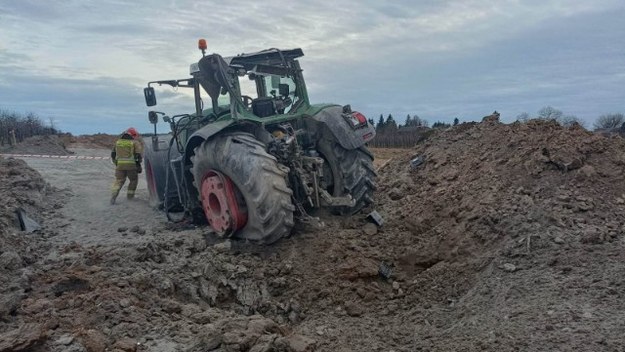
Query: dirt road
[[88, 218]]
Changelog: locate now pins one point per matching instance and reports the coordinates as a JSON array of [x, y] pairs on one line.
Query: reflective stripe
[[125, 152]]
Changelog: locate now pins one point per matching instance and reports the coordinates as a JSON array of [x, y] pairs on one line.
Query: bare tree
[[609, 121], [571, 120], [523, 117], [20, 126], [549, 113]]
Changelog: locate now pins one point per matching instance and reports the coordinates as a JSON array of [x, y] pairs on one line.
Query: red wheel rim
[[224, 211]]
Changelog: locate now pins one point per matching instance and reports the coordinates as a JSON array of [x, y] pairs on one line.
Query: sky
[[83, 63]]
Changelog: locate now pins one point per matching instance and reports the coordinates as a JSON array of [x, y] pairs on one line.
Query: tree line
[[388, 125], [16, 127], [611, 121], [390, 133]]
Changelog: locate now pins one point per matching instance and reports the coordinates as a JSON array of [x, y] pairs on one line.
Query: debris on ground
[[510, 237]]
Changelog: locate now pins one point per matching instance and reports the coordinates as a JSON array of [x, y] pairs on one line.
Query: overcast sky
[[84, 62]]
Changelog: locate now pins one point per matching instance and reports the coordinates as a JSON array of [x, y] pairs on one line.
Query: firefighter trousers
[[120, 179]]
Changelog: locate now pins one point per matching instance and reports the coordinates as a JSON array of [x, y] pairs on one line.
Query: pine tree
[[408, 121], [456, 121], [390, 125], [380, 125]]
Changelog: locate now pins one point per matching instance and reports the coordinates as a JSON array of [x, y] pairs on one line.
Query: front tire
[[259, 181], [155, 164]]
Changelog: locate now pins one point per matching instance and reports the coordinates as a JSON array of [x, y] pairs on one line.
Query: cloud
[[86, 61]]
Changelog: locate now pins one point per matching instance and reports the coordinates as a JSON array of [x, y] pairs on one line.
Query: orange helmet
[[133, 132]]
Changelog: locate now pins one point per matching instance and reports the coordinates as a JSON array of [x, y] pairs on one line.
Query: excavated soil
[[496, 237], [41, 145]]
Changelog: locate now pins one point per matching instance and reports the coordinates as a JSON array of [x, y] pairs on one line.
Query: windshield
[[261, 89]]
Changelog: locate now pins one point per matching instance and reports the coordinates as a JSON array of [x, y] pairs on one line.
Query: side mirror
[[166, 119], [150, 96], [283, 89], [153, 117]]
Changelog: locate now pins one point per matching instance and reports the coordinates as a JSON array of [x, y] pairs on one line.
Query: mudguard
[[199, 136], [348, 136]]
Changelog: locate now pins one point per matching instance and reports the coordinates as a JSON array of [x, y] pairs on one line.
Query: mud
[[506, 238]]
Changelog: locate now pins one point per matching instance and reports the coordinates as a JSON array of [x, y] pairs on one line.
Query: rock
[[65, 340], [202, 317], [264, 344], [592, 237], [10, 302], [171, 307], [260, 325], [10, 260], [353, 309], [122, 229], [93, 340], [509, 267], [395, 194], [295, 343], [224, 246], [124, 302], [370, 229], [395, 285], [587, 172], [209, 340], [558, 240], [23, 338], [359, 268], [126, 345]]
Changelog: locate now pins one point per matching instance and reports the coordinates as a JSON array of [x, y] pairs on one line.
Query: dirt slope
[[49, 145], [507, 237]]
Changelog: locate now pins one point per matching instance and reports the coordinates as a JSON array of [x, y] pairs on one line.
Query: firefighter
[[127, 157]]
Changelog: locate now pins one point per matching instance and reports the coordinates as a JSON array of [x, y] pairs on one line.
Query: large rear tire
[[352, 173], [241, 159]]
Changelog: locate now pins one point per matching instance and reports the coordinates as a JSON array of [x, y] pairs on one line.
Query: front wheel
[[242, 189], [155, 165]]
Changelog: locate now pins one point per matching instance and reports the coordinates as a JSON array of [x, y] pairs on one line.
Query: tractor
[[260, 156]]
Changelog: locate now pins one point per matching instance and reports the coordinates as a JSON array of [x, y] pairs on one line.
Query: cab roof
[[270, 57]]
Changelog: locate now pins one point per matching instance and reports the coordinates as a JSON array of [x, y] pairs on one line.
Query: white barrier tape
[[75, 157]]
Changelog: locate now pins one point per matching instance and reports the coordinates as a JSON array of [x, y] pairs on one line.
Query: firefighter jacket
[[127, 153]]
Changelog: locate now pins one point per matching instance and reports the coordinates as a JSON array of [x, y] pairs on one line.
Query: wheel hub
[[224, 211]]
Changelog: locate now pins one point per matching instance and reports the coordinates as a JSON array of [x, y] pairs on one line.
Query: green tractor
[[261, 155]]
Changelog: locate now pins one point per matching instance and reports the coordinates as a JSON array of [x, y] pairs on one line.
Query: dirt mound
[[20, 187], [507, 223], [480, 184], [99, 140], [45, 145]]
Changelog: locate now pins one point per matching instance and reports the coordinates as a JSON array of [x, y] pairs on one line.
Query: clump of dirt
[[41, 145]]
